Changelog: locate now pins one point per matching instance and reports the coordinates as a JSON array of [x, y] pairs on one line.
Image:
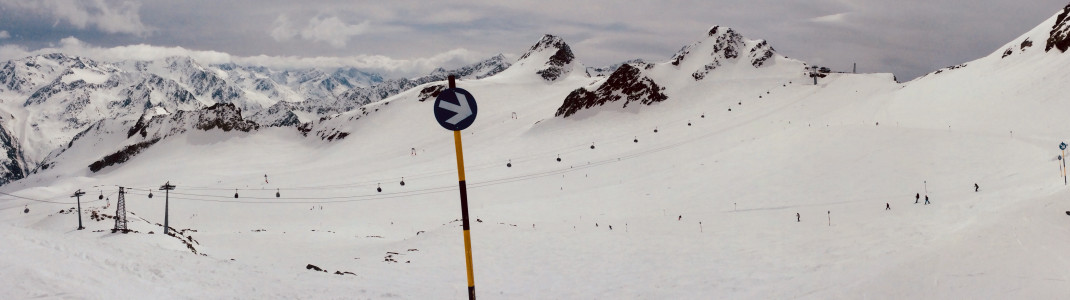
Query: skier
[[798, 218], [917, 197], [976, 187], [926, 199], [265, 178], [413, 151], [681, 217], [887, 206]]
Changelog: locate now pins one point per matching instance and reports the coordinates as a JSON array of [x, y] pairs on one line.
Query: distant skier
[[976, 187], [887, 206], [798, 218], [413, 151], [265, 178], [926, 199], [681, 217], [917, 197]]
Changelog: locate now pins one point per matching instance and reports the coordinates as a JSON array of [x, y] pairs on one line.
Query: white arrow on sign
[[463, 110]]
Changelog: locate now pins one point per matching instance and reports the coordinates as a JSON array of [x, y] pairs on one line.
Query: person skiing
[[798, 218], [413, 152], [926, 199], [917, 197], [681, 217], [976, 187], [887, 206]]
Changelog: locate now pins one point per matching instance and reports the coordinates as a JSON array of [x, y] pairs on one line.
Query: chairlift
[[636, 139], [277, 194], [688, 123], [150, 194], [703, 116], [379, 188], [235, 193], [559, 157], [101, 195], [592, 146], [655, 130], [509, 164], [402, 181]]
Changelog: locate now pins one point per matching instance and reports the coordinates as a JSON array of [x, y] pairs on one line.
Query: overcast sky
[[405, 38]]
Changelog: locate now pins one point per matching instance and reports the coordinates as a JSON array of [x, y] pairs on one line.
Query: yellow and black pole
[[455, 110]]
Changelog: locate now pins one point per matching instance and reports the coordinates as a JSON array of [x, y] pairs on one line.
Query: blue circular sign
[[455, 109], [1062, 146]]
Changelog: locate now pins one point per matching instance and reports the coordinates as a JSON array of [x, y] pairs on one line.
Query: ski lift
[[729, 109], [636, 139], [655, 130], [509, 164], [703, 116], [277, 194], [688, 123], [592, 146], [235, 193], [150, 194], [402, 181], [101, 195], [379, 188], [559, 157]]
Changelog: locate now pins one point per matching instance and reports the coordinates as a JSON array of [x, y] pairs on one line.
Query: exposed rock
[[1060, 32], [627, 83]]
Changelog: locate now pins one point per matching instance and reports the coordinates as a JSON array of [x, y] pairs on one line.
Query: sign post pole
[[1062, 147], [455, 110]]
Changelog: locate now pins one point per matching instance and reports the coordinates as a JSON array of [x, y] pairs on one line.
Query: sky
[[407, 38]]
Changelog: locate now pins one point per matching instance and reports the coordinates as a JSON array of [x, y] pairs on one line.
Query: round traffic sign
[[1062, 146], [455, 109]]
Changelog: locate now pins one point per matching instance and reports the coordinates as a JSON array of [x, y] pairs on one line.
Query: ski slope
[[703, 208]]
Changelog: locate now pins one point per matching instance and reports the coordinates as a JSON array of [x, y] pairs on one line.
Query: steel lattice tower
[[120, 213]]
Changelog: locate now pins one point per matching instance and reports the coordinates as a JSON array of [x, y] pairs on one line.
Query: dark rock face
[[12, 165], [626, 82], [121, 156], [1060, 32], [761, 53], [431, 92], [558, 62]]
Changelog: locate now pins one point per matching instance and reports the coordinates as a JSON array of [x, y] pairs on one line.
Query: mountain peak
[[724, 46], [551, 55]]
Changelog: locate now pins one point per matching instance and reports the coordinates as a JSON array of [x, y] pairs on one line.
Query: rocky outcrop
[[1060, 32], [626, 83], [560, 60]]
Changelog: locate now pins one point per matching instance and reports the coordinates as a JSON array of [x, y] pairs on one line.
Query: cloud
[[330, 30], [4, 34], [391, 67], [110, 16]]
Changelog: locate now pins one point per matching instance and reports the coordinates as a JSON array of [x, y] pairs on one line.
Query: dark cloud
[[909, 38]]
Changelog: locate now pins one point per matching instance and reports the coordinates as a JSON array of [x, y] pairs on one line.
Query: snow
[[89, 76], [835, 153]]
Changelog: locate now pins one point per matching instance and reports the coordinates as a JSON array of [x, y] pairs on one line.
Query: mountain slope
[[718, 190]]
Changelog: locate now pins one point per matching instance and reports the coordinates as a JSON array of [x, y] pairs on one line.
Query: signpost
[[1062, 147], [455, 110]]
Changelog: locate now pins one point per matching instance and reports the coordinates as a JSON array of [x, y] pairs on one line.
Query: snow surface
[[704, 208]]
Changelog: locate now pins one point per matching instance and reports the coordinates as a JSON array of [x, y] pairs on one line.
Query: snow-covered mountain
[[722, 54], [711, 181], [49, 99]]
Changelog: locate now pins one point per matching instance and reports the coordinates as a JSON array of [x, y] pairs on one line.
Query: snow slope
[[705, 207]]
